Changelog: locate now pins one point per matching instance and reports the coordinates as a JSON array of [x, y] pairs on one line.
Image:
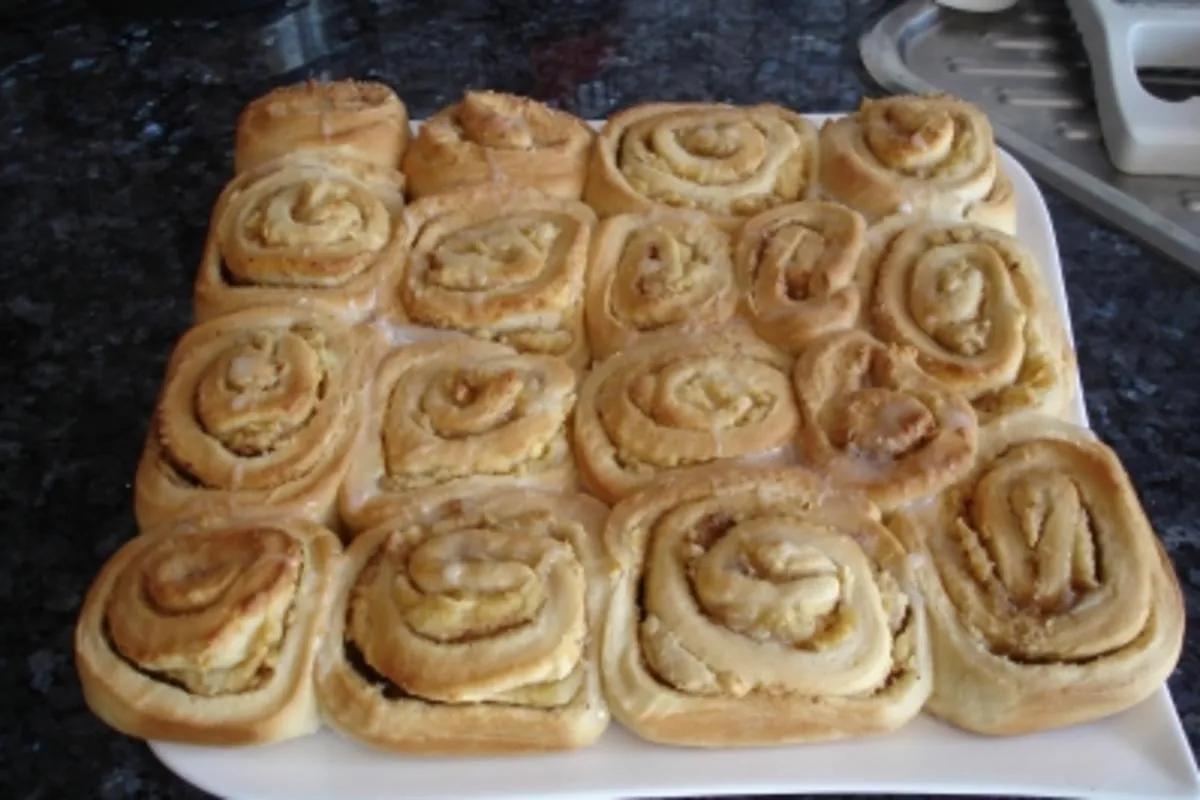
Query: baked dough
[[660, 271], [491, 137], [305, 231], [359, 119], [1051, 601], [728, 161], [757, 607], [444, 412], [207, 634], [469, 626]]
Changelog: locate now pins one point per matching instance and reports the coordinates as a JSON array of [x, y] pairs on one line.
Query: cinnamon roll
[[506, 265], [969, 299], [676, 401], [490, 137], [359, 119], [796, 267], [258, 409], [208, 635], [758, 607], [442, 413], [1051, 601], [470, 625], [931, 154], [871, 419], [728, 161], [664, 271], [304, 231]]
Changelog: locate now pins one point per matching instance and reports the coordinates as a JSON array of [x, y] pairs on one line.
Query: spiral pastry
[[758, 607], [932, 154], [303, 231], [1050, 600], [445, 412], [728, 161], [468, 625], [208, 635], [358, 119], [677, 401], [872, 420], [506, 265], [490, 137], [657, 272], [796, 267], [258, 409], [970, 300]]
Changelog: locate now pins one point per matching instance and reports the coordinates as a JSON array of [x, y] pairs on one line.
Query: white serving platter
[[1141, 753]]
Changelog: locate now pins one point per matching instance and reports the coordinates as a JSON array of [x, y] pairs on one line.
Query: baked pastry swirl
[[491, 137], [358, 119], [932, 154], [469, 625], [303, 230], [1051, 601], [758, 607], [728, 161], [445, 412], [657, 272], [871, 419], [505, 265], [970, 300], [796, 267], [258, 409], [208, 635], [674, 401]]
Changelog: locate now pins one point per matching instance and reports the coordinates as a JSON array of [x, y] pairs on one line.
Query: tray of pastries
[[705, 449]]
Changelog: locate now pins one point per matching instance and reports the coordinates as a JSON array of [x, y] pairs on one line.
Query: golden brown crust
[[930, 154], [971, 302], [359, 119], [305, 231], [796, 266], [491, 137], [870, 419], [259, 408], [500, 264], [468, 626], [655, 272], [728, 161], [1051, 601], [441, 413], [675, 401], [759, 607], [207, 634]]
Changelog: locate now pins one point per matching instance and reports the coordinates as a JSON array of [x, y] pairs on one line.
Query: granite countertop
[[118, 135]]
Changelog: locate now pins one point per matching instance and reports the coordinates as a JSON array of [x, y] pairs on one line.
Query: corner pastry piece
[[727, 161], [676, 401], [796, 266], [756, 607], [662, 271], [932, 154], [504, 265], [445, 412], [1051, 601], [469, 626], [872, 420], [208, 636], [359, 119], [302, 231], [970, 301], [258, 409], [490, 137]]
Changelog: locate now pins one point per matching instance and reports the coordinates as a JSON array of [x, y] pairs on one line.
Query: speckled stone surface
[[117, 137]]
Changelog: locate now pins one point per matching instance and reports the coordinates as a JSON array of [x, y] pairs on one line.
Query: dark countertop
[[117, 139]]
